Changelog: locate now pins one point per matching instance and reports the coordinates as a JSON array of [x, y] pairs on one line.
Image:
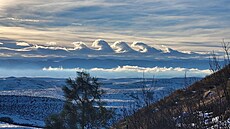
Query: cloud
[[144, 48], [135, 71], [100, 48], [5, 55], [102, 45], [150, 70], [174, 23], [23, 20], [51, 43], [122, 47], [171, 51], [13, 45], [80, 45], [23, 44], [53, 69]]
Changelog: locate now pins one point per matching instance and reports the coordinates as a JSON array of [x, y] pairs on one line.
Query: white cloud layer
[[24, 44], [102, 45], [137, 50], [122, 47], [79, 45], [23, 20], [135, 71], [177, 23]]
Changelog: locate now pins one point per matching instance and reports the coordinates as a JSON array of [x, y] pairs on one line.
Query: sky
[[196, 25]]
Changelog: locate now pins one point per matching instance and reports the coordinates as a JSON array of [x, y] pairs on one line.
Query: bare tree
[[214, 63], [226, 48]]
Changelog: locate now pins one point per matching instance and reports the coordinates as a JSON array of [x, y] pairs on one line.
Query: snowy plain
[[31, 100]]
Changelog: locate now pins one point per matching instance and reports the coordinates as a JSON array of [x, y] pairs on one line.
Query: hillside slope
[[205, 104]]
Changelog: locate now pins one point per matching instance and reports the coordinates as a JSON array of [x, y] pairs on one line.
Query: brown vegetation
[[204, 104]]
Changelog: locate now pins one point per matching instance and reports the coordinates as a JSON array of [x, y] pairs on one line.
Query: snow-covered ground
[[31, 100], [11, 126]]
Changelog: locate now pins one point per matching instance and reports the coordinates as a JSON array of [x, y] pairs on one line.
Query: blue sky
[[197, 25], [67, 28]]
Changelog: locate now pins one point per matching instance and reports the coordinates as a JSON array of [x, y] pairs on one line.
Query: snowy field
[[31, 100], [11, 126]]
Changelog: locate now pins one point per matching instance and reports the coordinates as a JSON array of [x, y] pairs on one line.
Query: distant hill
[[204, 104]]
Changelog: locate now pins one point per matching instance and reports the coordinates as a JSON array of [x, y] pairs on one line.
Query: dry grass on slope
[[204, 104]]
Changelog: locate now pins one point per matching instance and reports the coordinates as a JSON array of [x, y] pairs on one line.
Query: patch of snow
[[20, 120], [25, 101], [12, 126]]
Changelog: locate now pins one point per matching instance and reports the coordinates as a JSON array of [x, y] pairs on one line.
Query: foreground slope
[[205, 104]]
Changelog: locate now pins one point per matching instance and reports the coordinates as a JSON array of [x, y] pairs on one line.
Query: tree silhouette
[[83, 107]]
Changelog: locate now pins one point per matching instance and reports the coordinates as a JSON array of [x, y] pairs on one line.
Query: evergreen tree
[[83, 107]]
